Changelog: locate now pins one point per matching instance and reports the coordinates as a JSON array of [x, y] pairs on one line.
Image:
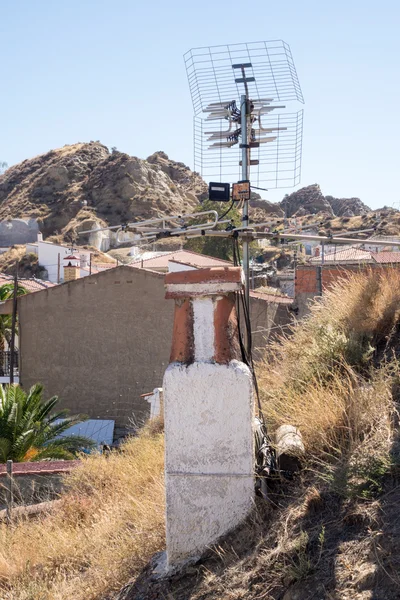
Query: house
[[101, 342], [311, 279], [343, 256], [178, 260], [370, 245], [53, 257], [30, 285]]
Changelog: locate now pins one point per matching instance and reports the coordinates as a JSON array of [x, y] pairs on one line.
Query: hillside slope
[[331, 533], [86, 183]]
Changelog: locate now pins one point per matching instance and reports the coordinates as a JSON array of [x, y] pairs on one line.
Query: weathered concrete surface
[[208, 412], [213, 405], [208, 415], [102, 341], [98, 342], [200, 509]]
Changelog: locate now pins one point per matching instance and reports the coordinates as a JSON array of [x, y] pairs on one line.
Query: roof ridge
[[152, 257], [186, 251]]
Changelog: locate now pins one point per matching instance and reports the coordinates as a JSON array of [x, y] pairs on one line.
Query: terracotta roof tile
[[386, 257], [31, 285], [344, 255], [41, 467]]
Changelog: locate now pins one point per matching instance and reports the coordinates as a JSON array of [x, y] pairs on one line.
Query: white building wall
[[208, 410], [48, 258], [174, 267]]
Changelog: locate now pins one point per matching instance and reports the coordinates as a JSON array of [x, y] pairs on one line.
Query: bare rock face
[[180, 174], [263, 208], [342, 207], [310, 199], [64, 187]]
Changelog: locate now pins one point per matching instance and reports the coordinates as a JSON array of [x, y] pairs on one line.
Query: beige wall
[[102, 341], [268, 319], [99, 342]]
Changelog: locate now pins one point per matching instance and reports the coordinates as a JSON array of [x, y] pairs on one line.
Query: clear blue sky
[[81, 70]]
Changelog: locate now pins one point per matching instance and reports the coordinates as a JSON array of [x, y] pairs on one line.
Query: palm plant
[[29, 429], [6, 293]]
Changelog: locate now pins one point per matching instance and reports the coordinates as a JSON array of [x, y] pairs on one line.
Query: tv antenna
[[241, 131]]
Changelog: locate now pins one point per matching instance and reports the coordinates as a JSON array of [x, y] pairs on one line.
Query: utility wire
[[266, 455], [227, 211]]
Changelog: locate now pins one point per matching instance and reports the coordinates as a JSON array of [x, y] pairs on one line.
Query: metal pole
[[13, 324], [245, 176], [58, 268], [10, 490], [319, 280]]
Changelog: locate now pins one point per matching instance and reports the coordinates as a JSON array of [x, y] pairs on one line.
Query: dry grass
[[11, 256], [321, 378], [109, 523]]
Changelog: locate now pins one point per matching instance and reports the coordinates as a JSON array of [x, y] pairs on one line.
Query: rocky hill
[[310, 200], [84, 185], [77, 186], [347, 207]]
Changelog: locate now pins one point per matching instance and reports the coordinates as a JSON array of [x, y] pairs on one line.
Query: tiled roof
[[345, 255], [41, 467], [386, 257], [186, 257], [272, 298], [31, 285]]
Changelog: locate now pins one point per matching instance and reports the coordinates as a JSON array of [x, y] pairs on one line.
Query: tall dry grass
[[322, 377], [109, 522]]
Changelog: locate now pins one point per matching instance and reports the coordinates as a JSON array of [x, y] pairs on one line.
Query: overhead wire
[[227, 211]]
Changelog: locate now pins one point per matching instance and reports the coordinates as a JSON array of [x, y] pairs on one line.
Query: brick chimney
[[72, 268], [208, 410]]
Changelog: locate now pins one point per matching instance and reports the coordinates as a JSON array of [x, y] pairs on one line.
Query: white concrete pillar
[[208, 411]]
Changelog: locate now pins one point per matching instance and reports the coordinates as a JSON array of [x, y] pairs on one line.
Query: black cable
[[266, 458], [226, 212]]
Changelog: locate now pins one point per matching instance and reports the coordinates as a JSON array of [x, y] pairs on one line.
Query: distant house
[[179, 260], [101, 342], [339, 255], [53, 257], [317, 275], [355, 256], [30, 285]]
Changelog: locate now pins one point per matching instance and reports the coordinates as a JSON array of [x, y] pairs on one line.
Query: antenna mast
[[245, 120], [252, 76]]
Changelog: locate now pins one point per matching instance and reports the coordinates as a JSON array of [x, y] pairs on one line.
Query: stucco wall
[[267, 320], [99, 342], [102, 341], [307, 285]]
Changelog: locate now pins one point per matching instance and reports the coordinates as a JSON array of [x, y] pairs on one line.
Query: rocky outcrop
[[347, 207], [309, 199], [263, 208], [85, 183], [180, 174]]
